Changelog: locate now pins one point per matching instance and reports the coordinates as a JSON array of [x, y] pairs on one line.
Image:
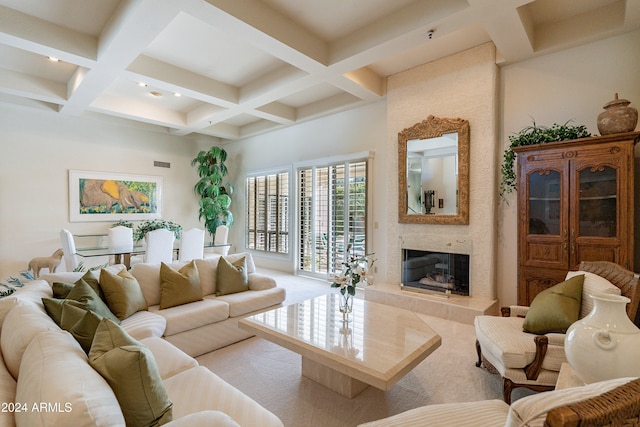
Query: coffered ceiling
[[237, 68]]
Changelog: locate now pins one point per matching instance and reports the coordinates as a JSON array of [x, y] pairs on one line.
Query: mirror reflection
[[433, 172], [432, 175]]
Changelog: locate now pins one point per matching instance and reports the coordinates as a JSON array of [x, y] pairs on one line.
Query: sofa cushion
[[231, 277], [179, 287], [148, 276], [532, 410], [169, 358], [144, 324], [32, 292], [593, 284], [555, 308], [190, 316], [205, 418], [131, 371], [502, 339], [122, 293], [7, 394], [260, 282], [246, 302], [20, 326], [199, 389], [55, 371], [80, 323]]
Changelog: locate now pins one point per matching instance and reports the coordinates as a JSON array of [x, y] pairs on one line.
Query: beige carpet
[[271, 374]]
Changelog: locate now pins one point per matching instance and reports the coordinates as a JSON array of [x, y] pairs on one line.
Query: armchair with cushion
[[533, 360]]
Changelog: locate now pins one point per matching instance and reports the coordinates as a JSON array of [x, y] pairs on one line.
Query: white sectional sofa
[[201, 326], [47, 379]]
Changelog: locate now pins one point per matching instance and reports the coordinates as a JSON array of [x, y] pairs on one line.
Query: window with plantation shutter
[[268, 212], [332, 215]]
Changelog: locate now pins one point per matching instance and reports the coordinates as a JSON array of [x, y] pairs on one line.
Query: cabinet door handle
[[564, 240], [573, 241]]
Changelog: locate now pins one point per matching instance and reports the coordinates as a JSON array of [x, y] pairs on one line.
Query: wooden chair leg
[[479, 351], [507, 388]]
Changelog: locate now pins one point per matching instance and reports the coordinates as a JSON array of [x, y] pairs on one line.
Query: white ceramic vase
[[605, 344]]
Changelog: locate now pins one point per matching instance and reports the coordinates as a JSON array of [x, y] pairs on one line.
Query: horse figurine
[[51, 262]]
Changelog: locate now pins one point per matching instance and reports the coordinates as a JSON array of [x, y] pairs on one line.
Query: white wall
[[39, 147], [570, 85], [345, 133]]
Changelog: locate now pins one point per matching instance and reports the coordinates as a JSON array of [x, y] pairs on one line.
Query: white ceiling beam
[[28, 86], [35, 35], [134, 25], [126, 108], [175, 79]]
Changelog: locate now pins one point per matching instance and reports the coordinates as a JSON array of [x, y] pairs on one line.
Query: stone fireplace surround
[[464, 86], [454, 307]]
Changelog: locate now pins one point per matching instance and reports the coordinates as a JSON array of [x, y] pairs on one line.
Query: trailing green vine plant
[[532, 135], [215, 195]]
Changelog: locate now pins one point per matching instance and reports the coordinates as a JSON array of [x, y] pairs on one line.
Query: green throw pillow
[[61, 289], [89, 299], [130, 369], [71, 317], [122, 293], [555, 308], [92, 281], [179, 287], [231, 278]]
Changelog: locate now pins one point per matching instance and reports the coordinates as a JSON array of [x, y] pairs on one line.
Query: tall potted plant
[[215, 195]]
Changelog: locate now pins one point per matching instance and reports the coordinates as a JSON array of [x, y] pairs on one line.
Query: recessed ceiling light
[[142, 84], [177, 94], [156, 94], [53, 59]]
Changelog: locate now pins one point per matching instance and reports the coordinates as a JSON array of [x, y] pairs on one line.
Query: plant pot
[[618, 117], [605, 344]]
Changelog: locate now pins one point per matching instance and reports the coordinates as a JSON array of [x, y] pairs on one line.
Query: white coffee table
[[379, 346]]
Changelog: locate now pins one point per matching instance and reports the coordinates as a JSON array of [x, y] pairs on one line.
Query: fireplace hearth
[[438, 273]]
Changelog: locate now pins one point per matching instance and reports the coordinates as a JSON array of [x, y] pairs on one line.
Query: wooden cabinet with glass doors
[[575, 203]]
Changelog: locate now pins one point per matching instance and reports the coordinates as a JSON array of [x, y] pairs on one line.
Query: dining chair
[[222, 234], [69, 249], [191, 245], [121, 238], [159, 246], [70, 258]]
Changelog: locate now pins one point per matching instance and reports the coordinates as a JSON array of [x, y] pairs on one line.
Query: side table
[[568, 378]]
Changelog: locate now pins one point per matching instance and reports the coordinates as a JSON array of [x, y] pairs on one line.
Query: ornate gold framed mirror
[[433, 172]]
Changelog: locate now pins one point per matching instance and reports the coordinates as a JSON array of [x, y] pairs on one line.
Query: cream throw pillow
[[122, 293], [593, 284], [231, 278], [179, 287], [130, 369]]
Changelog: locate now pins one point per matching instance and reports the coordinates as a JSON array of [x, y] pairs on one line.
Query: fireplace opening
[[437, 272]]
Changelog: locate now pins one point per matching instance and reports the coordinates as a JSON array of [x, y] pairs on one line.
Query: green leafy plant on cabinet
[[532, 135]]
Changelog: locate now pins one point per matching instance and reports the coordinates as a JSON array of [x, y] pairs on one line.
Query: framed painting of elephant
[[104, 196]]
